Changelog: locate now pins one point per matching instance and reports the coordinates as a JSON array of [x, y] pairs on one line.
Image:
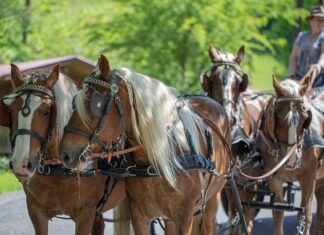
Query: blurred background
[[166, 39]]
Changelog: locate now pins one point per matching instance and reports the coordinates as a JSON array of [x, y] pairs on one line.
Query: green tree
[[169, 39]]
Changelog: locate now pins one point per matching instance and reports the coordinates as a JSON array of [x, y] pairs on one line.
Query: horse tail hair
[[121, 215]]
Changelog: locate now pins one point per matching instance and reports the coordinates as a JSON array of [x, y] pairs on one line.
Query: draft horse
[[227, 84], [177, 144], [36, 113], [290, 124]]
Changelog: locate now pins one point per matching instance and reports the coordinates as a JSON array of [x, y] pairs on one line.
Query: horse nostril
[[29, 165], [10, 166], [66, 158]]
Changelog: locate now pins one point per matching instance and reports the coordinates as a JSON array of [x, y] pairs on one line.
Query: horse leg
[[319, 192], [39, 220], [307, 188], [208, 226], [275, 185], [84, 220], [141, 224], [98, 226]]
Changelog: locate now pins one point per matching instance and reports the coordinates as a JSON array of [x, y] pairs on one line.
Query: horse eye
[[45, 113]]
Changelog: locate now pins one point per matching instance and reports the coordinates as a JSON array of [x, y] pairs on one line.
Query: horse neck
[[140, 156]]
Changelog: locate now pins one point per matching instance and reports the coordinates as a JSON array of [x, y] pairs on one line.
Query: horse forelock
[[290, 87], [156, 123]]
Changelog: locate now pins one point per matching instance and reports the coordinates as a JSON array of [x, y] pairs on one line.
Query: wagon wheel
[[224, 200]]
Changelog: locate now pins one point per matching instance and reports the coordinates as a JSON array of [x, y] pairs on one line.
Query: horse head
[[30, 113], [226, 80], [287, 115], [99, 119]]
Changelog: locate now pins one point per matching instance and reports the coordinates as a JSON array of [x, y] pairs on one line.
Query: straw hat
[[316, 12]]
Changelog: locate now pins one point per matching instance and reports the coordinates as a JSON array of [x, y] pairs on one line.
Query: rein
[[268, 146], [273, 170]]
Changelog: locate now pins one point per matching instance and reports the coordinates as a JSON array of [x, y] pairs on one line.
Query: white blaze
[[22, 143]]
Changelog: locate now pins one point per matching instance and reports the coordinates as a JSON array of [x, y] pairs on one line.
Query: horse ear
[[304, 85], [244, 83], [277, 87], [204, 82], [16, 77], [213, 54], [104, 66], [5, 118], [240, 55], [52, 78]]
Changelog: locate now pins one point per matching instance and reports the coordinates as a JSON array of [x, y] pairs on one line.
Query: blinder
[[98, 102], [5, 117], [244, 82], [308, 120]]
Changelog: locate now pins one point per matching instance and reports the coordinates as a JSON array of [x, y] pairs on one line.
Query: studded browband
[[37, 88]]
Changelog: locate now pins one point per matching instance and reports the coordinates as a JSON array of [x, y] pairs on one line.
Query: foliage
[[8, 182], [169, 39], [165, 39], [4, 164]]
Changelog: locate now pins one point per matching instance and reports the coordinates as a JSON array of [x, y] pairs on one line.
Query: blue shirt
[[309, 51]]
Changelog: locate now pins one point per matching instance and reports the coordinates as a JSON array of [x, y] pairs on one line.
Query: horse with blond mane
[[177, 145], [36, 113], [290, 134], [227, 84]]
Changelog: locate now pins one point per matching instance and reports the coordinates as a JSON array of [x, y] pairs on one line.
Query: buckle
[[128, 168], [151, 171]]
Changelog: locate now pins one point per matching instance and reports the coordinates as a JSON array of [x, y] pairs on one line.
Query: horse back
[[211, 112]]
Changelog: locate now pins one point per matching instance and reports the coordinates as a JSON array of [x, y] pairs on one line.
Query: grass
[[8, 182], [264, 66]]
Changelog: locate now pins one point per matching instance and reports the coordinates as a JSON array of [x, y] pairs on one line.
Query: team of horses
[[127, 139]]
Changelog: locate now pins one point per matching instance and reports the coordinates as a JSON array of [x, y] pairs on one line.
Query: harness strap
[[273, 170], [28, 132], [75, 130], [115, 153], [106, 195]]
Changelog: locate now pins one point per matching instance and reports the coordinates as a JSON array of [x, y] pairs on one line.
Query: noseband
[[100, 105]]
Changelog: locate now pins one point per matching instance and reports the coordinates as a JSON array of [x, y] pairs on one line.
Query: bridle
[[294, 122], [105, 102], [239, 77], [28, 89], [271, 142]]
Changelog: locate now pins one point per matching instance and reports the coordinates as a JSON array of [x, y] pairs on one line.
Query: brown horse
[[5, 148], [227, 84], [39, 108], [290, 124], [165, 132]]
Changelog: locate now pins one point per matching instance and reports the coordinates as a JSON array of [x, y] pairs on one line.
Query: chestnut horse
[[5, 148], [227, 84], [290, 124], [36, 112], [165, 132]]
